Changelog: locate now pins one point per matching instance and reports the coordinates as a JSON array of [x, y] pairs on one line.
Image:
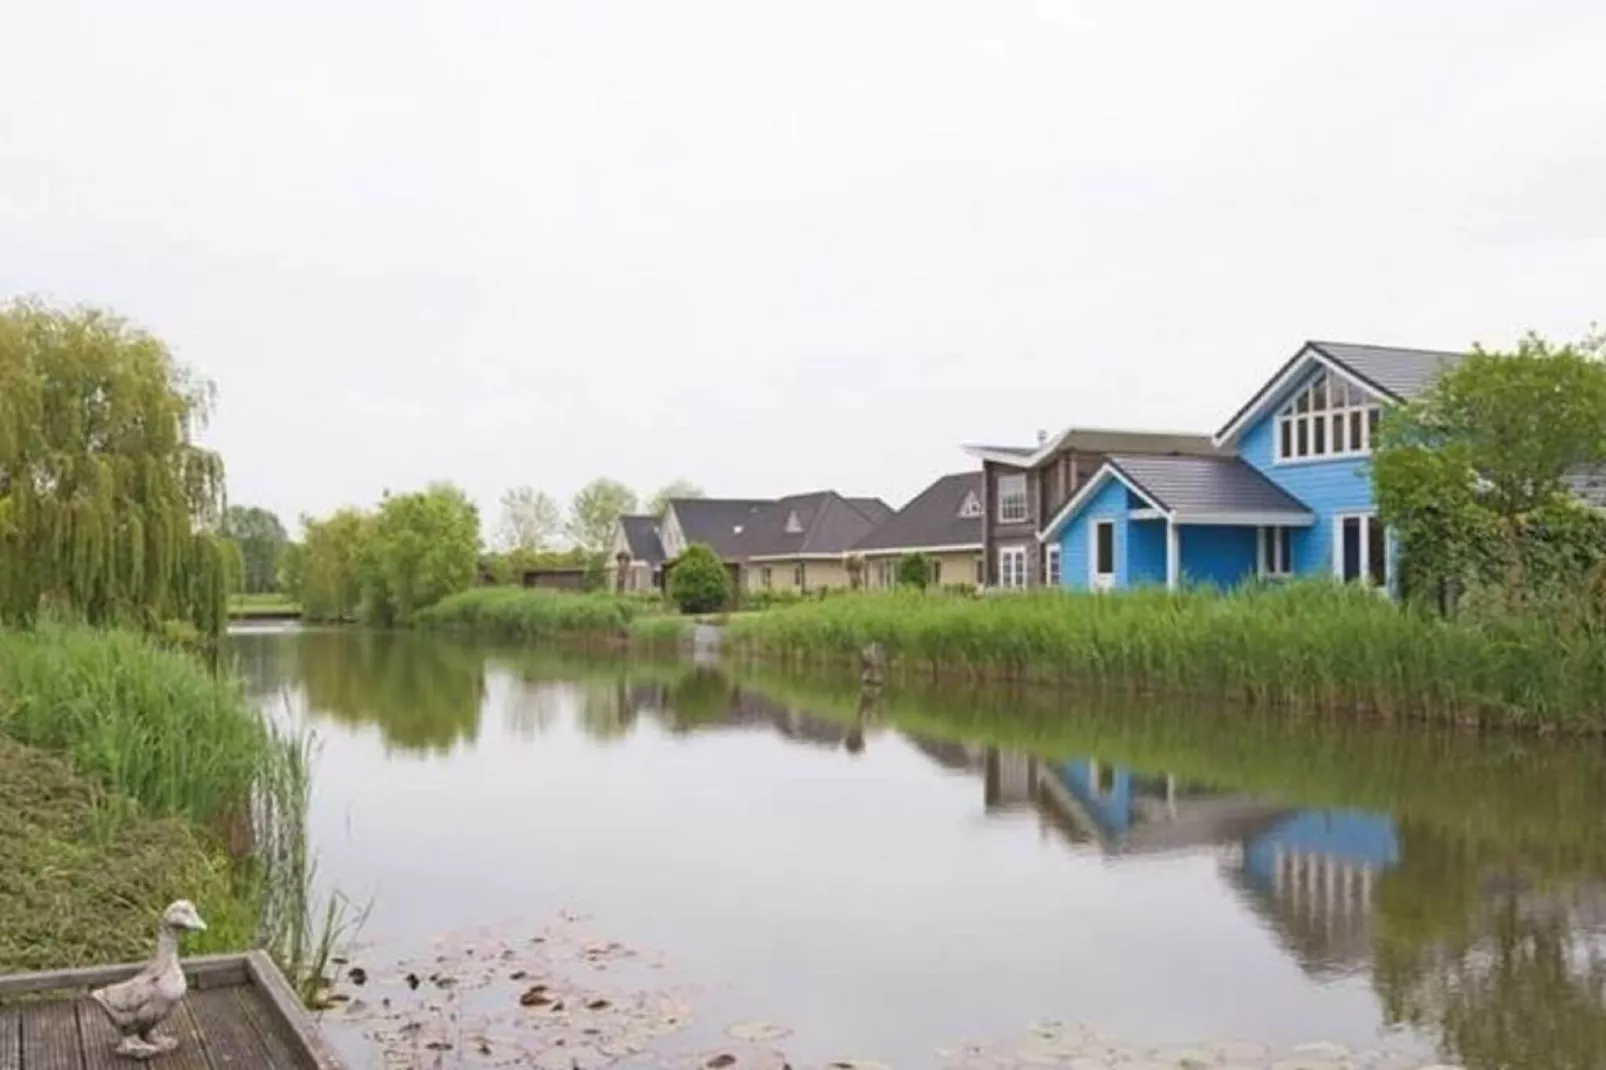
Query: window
[[794, 526], [766, 577], [799, 577], [885, 573], [1012, 506], [1276, 551], [1104, 548], [1330, 418], [981, 570], [936, 573], [1051, 565], [970, 507], [1362, 551], [1012, 566]]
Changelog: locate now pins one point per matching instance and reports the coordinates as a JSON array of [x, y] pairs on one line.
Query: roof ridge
[[1319, 343]]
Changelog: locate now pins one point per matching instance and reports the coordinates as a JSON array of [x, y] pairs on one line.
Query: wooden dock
[[239, 1013]]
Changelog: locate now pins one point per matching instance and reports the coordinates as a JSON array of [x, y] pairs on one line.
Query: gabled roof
[[827, 524], [1195, 490], [641, 536], [874, 509], [931, 520], [1393, 373], [1095, 440], [717, 523]]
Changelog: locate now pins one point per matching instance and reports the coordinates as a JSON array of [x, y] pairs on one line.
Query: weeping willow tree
[[109, 511]]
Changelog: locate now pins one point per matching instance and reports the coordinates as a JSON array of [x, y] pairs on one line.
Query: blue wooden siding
[[1112, 502], [1326, 487], [1146, 561], [1214, 554]]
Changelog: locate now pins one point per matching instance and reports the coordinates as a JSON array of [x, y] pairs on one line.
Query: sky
[[774, 247]]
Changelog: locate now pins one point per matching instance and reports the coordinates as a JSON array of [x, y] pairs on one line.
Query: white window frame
[[1006, 573], [1096, 580], [1051, 565], [1006, 499], [1275, 552], [1368, 518], [970, 508], [1358, 410]]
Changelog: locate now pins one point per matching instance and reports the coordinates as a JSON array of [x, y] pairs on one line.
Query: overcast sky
[[775, 247]]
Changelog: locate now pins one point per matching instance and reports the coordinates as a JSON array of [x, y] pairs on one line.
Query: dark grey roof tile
[[932, 518]]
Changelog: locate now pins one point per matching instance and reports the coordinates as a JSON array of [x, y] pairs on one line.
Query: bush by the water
[[522, 613], [699, 583], [914, 570], [1309, 644]]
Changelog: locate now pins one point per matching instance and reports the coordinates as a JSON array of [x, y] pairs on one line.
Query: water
[[941, 868]]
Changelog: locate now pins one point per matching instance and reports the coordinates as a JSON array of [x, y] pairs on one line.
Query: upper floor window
[[794, 526], [971, 506], [1330, 418], [1012, 506]]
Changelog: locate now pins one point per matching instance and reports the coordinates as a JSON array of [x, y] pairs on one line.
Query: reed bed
[[1308, 645], [517, 613]]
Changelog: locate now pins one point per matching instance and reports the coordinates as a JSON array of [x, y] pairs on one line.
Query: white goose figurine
[[143, 1002]]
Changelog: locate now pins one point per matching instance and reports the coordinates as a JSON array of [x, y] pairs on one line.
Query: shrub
[[699, 583], [914, 571]]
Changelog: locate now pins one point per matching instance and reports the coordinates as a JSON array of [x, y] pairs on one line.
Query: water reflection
[[1463, 881]]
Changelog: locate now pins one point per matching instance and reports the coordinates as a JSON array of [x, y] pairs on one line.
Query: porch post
[[1173, 554]]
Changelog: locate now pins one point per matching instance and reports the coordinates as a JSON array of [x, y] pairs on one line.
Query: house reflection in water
[[1313, 877]]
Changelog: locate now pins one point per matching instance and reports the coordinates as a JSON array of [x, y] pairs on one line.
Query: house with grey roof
[[943, 523], [643, 546], [1024, 486], [1286, 489], [801, 542]]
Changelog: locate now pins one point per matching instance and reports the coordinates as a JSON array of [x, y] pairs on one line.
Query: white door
[[1101, 555]]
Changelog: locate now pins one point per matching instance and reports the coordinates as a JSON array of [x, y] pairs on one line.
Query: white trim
[[1096, 580], [1053, 574], [1092, 486], [1286, 520], [1267, 538], [801, 557], [1013, 548], [1364, 572], [956, 548], [1147, 514], [1025, 496], [970, 508], [1269, 393], [1055, 443], [1173, 555]]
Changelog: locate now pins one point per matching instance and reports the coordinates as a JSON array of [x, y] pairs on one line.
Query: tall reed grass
[[518, 613], [164, 738], [1309, 644]]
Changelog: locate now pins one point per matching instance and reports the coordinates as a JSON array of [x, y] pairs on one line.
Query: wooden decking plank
[[10, 1038], [100, 1038], [50, 1039], [231, 1040], [282, 1050]]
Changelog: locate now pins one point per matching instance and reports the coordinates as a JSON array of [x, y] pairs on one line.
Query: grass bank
[[1314, 646], [156, 739], [271, 606], [520, 614]]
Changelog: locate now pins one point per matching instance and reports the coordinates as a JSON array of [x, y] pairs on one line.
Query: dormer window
[[970, 507], [794, 526], [1330, 418]]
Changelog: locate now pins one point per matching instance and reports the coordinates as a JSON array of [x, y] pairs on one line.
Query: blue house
[[1288, 491]]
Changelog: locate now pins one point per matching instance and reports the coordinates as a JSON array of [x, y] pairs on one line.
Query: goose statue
[[143, 1002]]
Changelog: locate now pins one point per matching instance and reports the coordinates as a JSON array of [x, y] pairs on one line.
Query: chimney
[[1042, 437]]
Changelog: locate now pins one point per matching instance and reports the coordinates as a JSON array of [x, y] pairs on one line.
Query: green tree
[[914, 571], [1467, 474], [261, 539], [595, 511], [421, 547], [327, 582], [699, 583], [677, 488], [108, 508], [531, 520]]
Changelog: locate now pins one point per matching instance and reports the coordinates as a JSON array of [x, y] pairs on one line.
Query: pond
[[710, 865]]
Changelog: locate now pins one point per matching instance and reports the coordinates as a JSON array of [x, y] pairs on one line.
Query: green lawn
[[272, 604]]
